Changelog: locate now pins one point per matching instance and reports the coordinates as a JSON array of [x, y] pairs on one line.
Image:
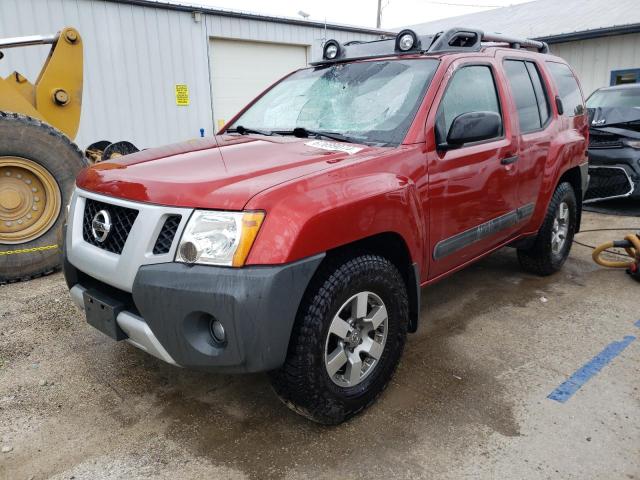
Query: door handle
[[509, 160]]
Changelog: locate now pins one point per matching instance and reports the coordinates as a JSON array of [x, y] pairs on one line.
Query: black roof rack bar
[[455, 40], [459, 38], [513, 42]]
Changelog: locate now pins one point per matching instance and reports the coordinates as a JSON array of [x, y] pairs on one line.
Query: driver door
[[472, 192]]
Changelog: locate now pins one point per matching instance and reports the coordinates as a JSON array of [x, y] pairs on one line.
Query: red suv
[[296, 240]]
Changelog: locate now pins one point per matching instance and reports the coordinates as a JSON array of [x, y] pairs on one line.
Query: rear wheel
[[38, 165], [347, 340], [553, 242]]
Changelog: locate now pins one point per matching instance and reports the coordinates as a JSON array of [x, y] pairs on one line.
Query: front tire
[[347, 340], [553, 243]]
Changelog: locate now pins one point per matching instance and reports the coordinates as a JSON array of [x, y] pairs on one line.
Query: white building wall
[[594, 59], [134, 56]]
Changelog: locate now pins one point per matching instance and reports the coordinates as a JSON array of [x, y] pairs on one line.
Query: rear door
[[473, 190], [533, 120], [574, 124]]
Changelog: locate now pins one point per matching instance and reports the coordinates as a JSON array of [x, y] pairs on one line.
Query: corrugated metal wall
[[594, 59], [134, 56]]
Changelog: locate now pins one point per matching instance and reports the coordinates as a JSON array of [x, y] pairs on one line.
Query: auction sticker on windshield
[[340, 147]]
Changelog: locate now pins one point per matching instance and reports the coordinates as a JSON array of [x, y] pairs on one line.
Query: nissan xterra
[[296, 240]]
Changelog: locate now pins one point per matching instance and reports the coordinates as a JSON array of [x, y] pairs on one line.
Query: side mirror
[[473, 127]]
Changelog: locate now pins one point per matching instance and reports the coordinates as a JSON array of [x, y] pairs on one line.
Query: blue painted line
[[590, 369], [637, 324]]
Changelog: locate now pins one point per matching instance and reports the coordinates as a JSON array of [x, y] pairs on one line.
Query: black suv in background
[[614, 143]]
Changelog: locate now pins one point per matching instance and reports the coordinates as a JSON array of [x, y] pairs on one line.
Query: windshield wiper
[[302, 132], [244, 131]]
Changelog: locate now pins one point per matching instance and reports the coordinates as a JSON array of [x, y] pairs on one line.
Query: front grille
[[166, 235], [608, 183], [122, 219], [599, 139]]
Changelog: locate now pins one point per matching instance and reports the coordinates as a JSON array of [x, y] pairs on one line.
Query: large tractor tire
[[38, 166]]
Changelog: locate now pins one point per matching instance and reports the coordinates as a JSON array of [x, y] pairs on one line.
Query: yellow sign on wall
[[182, 95]]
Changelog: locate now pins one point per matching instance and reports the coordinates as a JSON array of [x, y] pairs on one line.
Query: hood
[[222, 172], [608, 116]]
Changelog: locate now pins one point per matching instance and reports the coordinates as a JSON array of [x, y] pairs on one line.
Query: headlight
[[632, 143], [219, 238]]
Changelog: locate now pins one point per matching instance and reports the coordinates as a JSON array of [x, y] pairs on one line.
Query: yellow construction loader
[[38, 159]]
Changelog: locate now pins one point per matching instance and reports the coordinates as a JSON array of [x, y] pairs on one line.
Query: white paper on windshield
[[335, 146]]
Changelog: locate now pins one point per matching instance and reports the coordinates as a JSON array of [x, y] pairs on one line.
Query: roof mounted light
[[331, 50], [407, 40]]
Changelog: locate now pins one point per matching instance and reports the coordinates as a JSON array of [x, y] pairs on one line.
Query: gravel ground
[[468, 401]]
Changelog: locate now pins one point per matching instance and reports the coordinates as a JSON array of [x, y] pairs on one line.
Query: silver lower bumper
[[139, 333]]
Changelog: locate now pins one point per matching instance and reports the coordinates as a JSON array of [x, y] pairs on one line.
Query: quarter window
[[567, 88], [472, 89], [528, 94]]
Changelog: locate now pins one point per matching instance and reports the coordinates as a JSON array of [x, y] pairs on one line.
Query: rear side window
[[528, 93], [472, 89], [541, 93], [567, 88], [523, 94]]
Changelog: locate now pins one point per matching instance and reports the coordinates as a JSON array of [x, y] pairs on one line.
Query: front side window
[[472, 89], [370, 102], [568, 88]]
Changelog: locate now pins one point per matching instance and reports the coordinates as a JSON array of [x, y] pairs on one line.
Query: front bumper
[[169, 310], [614, 172]]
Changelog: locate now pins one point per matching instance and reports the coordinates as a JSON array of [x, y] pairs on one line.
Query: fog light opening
[[218, 334]]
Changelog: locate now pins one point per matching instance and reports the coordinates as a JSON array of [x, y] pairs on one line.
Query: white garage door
[[240, 70]]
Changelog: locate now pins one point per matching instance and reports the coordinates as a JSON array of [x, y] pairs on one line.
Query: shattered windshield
[[615, 98], [366, 102]]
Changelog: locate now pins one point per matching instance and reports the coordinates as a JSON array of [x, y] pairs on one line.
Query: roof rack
[[408, 42], [542, 47], [457, 39]]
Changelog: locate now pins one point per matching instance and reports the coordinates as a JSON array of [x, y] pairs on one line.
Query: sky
[[395, 13]]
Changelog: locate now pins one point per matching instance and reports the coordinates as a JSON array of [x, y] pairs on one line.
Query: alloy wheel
[[560, 229], [356, 339]]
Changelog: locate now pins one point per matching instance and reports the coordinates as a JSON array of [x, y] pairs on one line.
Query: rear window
[[568, 88]]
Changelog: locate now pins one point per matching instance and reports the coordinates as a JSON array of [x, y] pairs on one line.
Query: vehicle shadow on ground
[[439, 390]]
